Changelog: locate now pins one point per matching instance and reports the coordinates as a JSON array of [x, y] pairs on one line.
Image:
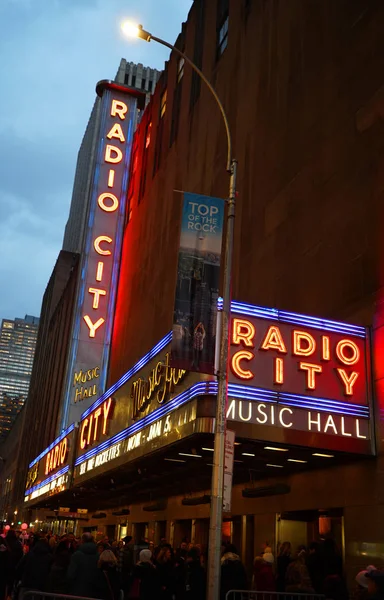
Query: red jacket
[[263, 577]]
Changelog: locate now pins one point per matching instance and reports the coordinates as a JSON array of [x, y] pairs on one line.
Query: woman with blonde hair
[[109, 580]]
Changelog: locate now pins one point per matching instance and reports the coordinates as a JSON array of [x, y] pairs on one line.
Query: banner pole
[[216, 514]]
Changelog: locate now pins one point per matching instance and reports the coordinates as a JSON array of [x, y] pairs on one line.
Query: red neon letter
[[96, 417], [116, 132], [118, 108], [243, 331], [93, 327], [83, 441], [103, 197], [235, 364], [99, 272], [347, 360], [300, 337], [273, 340], [64, 448], [279, 370], [98, 248], [106, 409], [96, 298], [326, 350], [108, 154], [311, 370], [348, 382]]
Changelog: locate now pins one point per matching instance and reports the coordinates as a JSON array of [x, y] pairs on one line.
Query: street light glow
[[130, 29]]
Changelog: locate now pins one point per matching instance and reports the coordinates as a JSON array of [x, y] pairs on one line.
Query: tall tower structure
[[17, 349]]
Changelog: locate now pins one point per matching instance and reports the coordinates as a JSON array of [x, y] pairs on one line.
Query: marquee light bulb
[[130, 29]]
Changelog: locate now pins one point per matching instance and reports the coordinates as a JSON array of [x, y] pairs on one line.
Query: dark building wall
[[41, 410], [302, 85]]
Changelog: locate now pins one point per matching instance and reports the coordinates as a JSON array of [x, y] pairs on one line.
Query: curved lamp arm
[[145, 35]]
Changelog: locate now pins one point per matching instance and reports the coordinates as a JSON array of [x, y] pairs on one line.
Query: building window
[[143, 84], [223, 37], [197, 51], [163, 104], [126, 79], [176, 102], [180, 69], [150, 85], [222, 26], [133, 84], [144, 166]]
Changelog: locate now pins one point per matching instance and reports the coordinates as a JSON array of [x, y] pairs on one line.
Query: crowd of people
[[317, 569], [126, 571]]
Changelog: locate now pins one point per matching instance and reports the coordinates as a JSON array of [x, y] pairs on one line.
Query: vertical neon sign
[[88, 358]]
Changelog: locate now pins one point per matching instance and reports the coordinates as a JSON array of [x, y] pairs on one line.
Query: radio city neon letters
[[108, 202], [57, 456], [96, 424], [303, 346]]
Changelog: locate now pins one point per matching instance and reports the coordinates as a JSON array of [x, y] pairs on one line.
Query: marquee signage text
[[298, 360], [312, 421], [100, 259], [82, 381], [48, 474], [96, 424], [161, 381]]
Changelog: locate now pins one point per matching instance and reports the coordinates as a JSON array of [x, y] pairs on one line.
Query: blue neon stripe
[[57, 441], [198, 389], [300, 401], [139, 365], [62, 471], [298, 319]]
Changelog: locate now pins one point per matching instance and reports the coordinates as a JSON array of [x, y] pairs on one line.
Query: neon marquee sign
[[287, 357], [101, 254]]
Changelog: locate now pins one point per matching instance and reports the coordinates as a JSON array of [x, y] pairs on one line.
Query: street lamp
[[216, 516]]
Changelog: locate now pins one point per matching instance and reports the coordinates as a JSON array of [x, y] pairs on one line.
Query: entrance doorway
[[300, 528]]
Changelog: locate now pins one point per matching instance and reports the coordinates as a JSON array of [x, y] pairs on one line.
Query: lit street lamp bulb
[[130, 29]]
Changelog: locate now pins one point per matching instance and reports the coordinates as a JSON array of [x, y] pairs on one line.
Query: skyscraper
[[17, 348]]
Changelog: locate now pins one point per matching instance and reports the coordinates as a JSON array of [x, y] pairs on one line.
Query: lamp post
[[216, 514]]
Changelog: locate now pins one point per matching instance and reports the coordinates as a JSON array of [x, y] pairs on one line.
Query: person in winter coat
[[233, 575], [264, 579], [83, 574], [57, 580], [283, 561], [15, 554], [166, 572], [4, 566], [34, 569], [145, 580], [126, 563], [315, 566], [297, 578], [195, 579], [110, 580]]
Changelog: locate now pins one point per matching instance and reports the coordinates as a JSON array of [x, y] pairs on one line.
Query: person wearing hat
[[375, 584], [145, 584], [361, 591]]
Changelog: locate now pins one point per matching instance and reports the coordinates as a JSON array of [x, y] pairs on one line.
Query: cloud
[[53, 53]]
